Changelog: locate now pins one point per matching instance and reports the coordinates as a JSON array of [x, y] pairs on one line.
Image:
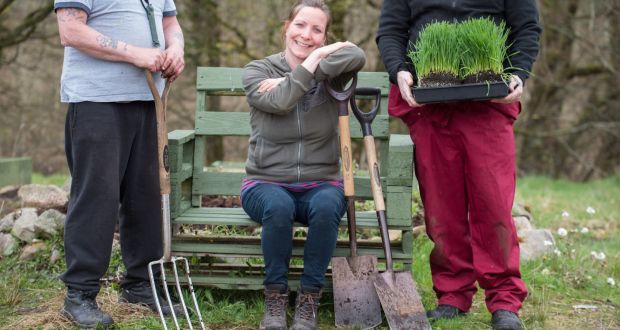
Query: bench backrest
[[224, 81]]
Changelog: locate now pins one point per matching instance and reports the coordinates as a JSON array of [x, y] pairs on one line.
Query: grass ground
[[569, 289]]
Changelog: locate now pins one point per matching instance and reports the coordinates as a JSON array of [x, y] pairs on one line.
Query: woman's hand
[[516, 90], [325, 51], [268, 84], [312, 61]]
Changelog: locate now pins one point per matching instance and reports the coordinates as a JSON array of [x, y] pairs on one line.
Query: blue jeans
[[276, 208]]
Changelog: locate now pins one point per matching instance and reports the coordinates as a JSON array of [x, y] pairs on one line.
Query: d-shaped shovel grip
[[342, 96], [366, 118]]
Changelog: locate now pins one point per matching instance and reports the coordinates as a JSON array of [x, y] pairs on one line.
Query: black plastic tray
[[465, 92]]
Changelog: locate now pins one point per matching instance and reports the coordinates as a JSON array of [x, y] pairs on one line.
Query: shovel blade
[[401, 302], [356, 304]]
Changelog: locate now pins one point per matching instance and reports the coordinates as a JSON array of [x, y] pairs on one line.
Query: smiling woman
[[305, 33], [292, 167]]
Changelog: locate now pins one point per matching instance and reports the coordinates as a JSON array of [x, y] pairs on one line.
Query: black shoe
[[444, 312], [505, 320], [82, 309], [143, 294]]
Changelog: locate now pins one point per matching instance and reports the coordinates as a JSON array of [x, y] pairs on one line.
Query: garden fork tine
[[161, 103]]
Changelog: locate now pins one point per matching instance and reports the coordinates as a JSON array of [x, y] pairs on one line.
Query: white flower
[[611, 281], [546, 272], [565, 214], [562, 232], [547, 243], [585, 230], [598, 255], [590, 210], [557, 252]]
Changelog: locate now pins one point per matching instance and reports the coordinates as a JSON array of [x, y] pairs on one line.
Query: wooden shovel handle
[[346, 155], [373, 169], [162, 134]]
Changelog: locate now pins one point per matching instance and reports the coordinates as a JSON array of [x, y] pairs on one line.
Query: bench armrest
[[180, 145], [181, 157], [400, 162]]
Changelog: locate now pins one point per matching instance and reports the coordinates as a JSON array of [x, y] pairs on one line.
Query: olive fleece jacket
[[402, 20], [294, 136]]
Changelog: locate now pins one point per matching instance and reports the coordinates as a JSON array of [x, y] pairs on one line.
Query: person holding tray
[[465, 158]]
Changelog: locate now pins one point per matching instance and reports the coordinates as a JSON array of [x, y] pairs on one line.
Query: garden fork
[[161, 103]]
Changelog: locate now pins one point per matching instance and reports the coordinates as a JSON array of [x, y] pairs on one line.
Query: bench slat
[[238, 250], [228, 80], [237, 217], [238, 124]]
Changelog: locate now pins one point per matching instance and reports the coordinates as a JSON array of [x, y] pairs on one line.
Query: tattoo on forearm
[[179, 37], [71, 14], [107, 42]]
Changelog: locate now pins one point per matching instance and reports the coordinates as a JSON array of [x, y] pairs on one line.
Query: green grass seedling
[[436, 50], [483, 46]]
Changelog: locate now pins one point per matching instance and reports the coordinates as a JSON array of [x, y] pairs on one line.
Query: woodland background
[[569, 126]]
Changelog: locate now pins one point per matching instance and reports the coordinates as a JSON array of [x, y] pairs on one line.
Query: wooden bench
[[230, 260]]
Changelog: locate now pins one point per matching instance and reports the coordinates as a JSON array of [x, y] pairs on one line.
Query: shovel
[[161, 103], [355, 300], [397, 291]]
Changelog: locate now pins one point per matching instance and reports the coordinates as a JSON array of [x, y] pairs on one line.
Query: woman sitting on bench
[[293, 158]]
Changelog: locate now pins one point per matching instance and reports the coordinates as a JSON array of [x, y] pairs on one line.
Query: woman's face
[[305, 33]]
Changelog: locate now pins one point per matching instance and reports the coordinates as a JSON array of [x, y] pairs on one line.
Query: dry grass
[[47, 316]]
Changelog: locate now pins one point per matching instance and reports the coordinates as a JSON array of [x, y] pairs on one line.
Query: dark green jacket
[[294, 134]]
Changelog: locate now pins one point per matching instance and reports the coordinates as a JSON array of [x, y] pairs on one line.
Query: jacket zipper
[[299, 145]]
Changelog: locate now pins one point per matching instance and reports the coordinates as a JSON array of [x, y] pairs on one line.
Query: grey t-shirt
[[85, 78]]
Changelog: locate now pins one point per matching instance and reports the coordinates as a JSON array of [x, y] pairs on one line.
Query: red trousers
[[465, 166]]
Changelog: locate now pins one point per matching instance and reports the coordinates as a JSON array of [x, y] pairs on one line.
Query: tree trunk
[[570, 120]]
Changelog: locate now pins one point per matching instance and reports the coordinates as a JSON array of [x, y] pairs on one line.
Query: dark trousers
[[276, 208], [465, 165], [112, 156]]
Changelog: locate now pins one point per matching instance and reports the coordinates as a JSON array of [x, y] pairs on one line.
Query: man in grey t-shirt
[[111, 143]]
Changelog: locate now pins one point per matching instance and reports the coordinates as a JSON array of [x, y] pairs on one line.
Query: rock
[[31, 250], [6, 224], [55, 256], [8, 244], [67, 186], [24, 227], [520, 210], [56, 217], [522, 223], [418, 230], [45, 228], [43, 196], [535, 243], [395, 235], [8, 192]]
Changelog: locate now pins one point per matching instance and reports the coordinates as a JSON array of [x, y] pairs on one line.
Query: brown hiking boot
[[276, 300], [306, 307]]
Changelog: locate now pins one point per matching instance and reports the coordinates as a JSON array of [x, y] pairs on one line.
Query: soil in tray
[[439, 79], [482, 77]]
